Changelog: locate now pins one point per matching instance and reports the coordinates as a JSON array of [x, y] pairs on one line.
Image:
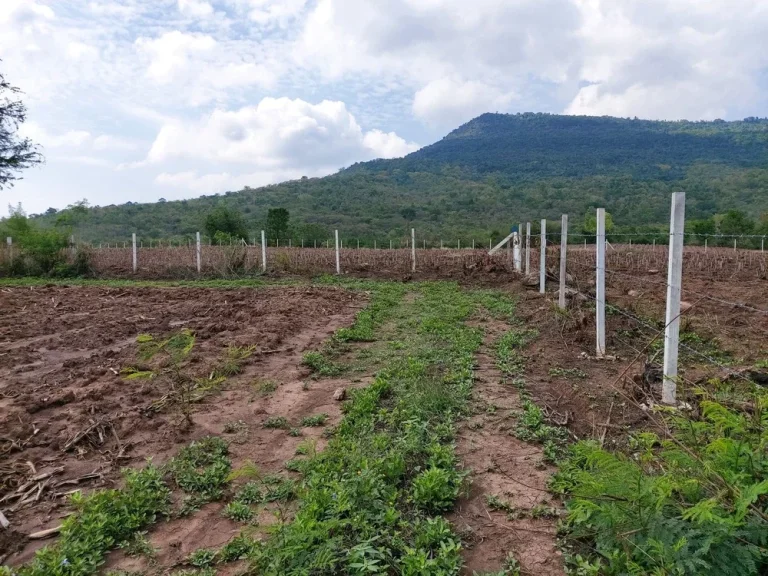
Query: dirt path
[[505, 468]]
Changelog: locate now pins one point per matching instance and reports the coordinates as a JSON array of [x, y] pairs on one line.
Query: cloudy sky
[[143, 99]]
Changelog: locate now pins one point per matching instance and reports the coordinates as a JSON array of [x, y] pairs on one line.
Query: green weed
[[265, 387], [365, 500], [693, 505], [202, 469], [532, 427], [314, 421], [320, 364], [202, 557], [250, 493], [101, 521], [568, 373], [495, 503], [277, 422], [238, 512], [138, 545], [239, 548], [509, 357]]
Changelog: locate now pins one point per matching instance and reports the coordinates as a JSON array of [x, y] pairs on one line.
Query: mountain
[[496, 170]]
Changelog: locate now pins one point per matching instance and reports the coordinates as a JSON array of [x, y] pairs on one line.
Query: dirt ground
[[507, 468], [601, 399], [62, 350]]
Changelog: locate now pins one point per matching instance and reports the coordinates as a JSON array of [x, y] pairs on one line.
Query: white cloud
[[197, 8], [270, 12], [448, 102], [423, 41], [212, 183], [388, 144], [671, 59], [71, 139], [170, 54], [278, 133]]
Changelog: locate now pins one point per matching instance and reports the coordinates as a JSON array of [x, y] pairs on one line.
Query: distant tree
[[703, 227], [223, 220], [16, 153], [277, 222], [763, 226], [74, 214], [311, 232], [51, 211], [161, 200], [590, 222], [409, 213], [736, 222]]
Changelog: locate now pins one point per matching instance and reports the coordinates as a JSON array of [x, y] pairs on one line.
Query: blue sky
[[134, 100]]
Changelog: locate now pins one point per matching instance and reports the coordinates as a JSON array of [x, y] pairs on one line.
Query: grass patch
[[384, 298], [321, 364], [509, 356], [232, 361], [265, 387], [532, 427]]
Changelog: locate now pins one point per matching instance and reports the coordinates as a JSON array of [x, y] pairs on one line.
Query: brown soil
[[505, 467], [601, 399], [61, 353]]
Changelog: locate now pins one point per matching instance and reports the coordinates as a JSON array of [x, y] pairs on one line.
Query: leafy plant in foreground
[[202, 468], [695, 504], [101, 521]]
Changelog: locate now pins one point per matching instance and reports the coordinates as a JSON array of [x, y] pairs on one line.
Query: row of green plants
[[371, 502]]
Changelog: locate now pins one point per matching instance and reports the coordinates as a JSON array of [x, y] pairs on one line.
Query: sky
[[137, 100]]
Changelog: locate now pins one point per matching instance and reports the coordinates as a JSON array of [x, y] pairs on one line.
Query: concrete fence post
[[135, 254], [516, 252], [674, 293], [9, 241], [527, 248], [543, 259], [563, 251], [600, 283], [413, 250], [338, 260], [198, 253], [263, 251]]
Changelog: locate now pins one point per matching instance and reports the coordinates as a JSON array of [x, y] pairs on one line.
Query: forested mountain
[[494, 171]]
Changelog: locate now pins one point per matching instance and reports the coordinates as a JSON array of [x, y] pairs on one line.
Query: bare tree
[[16, 153]]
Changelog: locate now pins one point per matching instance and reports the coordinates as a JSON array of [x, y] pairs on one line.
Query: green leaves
[[103, 519], [202, 469], [694, 506]]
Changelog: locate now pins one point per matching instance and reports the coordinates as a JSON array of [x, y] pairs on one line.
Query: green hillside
[[494, 171]]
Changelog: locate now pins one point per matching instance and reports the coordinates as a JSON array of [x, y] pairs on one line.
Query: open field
[[459, 402]]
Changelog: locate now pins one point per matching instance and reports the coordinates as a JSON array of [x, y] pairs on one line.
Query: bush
[[36, 251], [695, 504]]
